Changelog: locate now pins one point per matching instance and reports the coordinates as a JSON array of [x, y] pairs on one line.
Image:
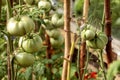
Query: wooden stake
[[108, 30], [83, 44], [67, 36]]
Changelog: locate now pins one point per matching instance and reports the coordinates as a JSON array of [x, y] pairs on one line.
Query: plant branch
[[102, 65]]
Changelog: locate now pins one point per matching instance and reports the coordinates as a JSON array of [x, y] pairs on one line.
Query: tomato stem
[[102, 64], [9, 9], [86, 64]]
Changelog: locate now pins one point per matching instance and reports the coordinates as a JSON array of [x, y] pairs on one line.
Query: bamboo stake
[[67, 36], [83, 43], [108, 31], [70, 56]]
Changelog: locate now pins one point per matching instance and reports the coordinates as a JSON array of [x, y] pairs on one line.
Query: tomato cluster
[[95, 40], [22, 26]]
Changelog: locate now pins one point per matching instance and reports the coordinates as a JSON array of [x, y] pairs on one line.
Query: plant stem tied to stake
[[108, 30], [67, 36]]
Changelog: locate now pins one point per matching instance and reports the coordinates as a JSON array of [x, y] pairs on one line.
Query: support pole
[[67, 37], [108, 31]]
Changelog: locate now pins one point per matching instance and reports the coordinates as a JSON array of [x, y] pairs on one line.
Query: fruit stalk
[[86, 64], [102, 65], [67, 36], [108, 31]]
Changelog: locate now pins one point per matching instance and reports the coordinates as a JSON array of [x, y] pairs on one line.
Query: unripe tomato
[[98, 42], [87, 34], [24, 59], [20, 27], [57, 20], [44, 5], [57, 43], [48, 23], [91, 43], [103, 37], [55, 33], [31, 43], [60, 22]]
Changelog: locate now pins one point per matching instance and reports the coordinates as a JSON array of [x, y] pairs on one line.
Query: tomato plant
[[36, 28]]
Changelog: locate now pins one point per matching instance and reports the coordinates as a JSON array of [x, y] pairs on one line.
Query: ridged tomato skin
[[20, 26], [24, 59]]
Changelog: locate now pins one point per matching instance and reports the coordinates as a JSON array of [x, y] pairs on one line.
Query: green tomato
[[91, 43], [88, 34], [57, 43], [103, 37], [55, 33], [20, 27], [31, 44], [57, 20], [29, 2], [24, 59], [100, 43], [48, 23], [44, 5], [60, 22]]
